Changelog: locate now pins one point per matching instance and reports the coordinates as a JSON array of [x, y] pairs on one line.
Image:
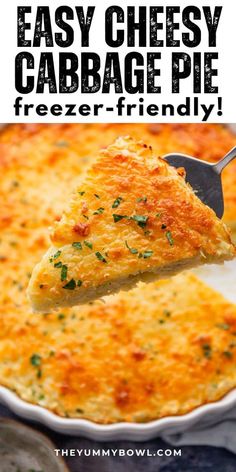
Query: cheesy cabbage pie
[[161, 349], [133, 218]]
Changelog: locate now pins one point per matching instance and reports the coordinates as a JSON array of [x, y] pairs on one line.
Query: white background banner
[[138, 95]]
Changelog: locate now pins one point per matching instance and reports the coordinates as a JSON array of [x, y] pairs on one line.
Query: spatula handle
[[225, 161]]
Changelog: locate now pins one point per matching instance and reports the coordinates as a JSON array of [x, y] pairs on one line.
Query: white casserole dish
[[170, 425], [222, 278]]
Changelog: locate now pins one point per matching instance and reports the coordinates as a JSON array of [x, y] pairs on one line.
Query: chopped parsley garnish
[[81, 193], [55, 256], [58, 264], [119, 217], [99, 211], [100, 257], [142, 199], [227, 354], [207, 350], [117, 202], [131, 249], [141, 220], [167, 313], [79, 283], [35, 360], [96, 195], [64, 270], [61, 316], [147, 254], [61, 144], [163, 226], [39, 373], [86, 217], [170, 238], [77, 245], [70, 285], [224, 326], [88, 244], [158, 215], [79, 410]]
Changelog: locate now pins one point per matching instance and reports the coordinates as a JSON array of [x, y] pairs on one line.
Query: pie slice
[[133, 218]]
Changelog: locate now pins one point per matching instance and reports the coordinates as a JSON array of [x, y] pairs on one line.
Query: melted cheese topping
[[161, 349], [132, 218], [117, 368]]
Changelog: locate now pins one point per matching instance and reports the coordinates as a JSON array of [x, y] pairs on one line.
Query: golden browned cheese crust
[[132, 218], [39, 165], [161, 349]]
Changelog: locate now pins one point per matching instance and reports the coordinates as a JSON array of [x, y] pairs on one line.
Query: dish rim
[[125, 431]]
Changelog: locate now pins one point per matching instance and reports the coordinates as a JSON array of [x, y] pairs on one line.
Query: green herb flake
[[167, 313], [142, 200], [224, 326], [62, 144], [119, 217], [99, 211], [64, 270], [81, 193], [55, 256], [117, 202], [100, 257], [88, 244], [96, 195], [170, 238], [61, 316], [79, 283], [86, 217], [58, 265], [131, 249], [39, 373], [70, 285], [158, 215], [227, 354], [35, 360], [141, 220], [163, 226], [79, 410], [77, 245], [147, 254], [207, 351]]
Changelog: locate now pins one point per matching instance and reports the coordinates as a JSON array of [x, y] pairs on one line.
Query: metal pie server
[[204, 178]]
